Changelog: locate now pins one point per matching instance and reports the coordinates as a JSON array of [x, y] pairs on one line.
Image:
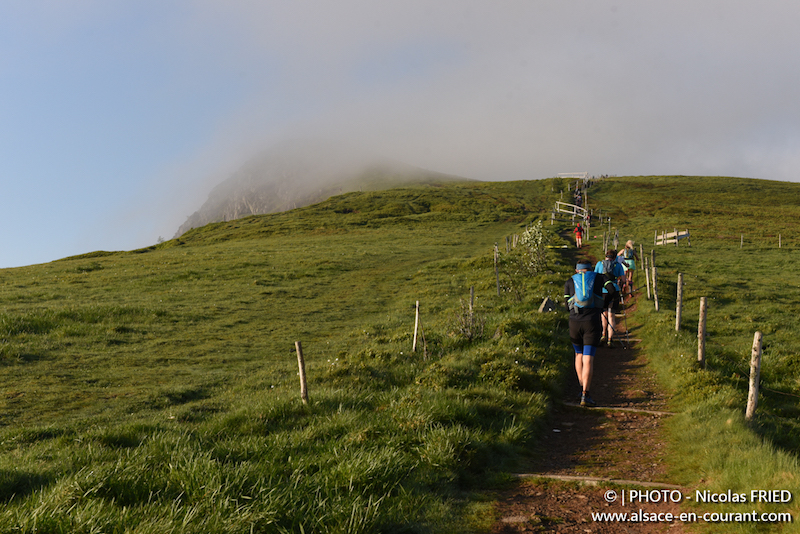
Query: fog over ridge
[[300, 172]]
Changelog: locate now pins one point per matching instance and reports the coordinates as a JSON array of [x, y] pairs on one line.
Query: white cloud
[[524, 89]]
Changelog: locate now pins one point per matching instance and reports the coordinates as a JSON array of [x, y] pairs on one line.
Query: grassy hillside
[[299, 173], [157, 390], [735, 261]]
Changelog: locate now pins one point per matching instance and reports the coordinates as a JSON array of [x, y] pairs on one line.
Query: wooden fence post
[[496, 268], [741, 240], [471, 301], [416, 329], [655, 286], [701, 332], [755, 374], [647, 276], [679, 304], [302, 364], [419, 331]]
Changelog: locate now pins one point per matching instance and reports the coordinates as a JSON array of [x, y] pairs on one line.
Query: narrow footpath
[[588, 452]]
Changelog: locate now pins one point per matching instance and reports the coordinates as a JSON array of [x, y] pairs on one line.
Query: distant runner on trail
[[583, 293], [578, 231], [629, 258], [613, 271]]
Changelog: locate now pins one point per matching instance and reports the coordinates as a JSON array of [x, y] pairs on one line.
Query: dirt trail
[[619, 440]]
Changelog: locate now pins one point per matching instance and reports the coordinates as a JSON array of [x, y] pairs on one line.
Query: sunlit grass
[[157, 390], [735, 261]]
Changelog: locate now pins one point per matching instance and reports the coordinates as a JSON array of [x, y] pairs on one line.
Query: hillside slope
[[297, 174], [744, 233], [156, 390]]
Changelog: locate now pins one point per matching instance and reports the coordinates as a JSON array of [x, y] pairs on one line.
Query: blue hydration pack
[[584, 296], [609, 266]]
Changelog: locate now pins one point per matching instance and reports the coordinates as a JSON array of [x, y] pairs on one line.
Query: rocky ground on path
[[621, 440]]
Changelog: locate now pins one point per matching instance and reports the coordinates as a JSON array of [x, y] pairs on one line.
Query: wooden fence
[[572, 210], [755, 359], [670, 238]]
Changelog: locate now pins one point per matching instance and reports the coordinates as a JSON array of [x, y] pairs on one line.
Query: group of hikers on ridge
[[593, 296]]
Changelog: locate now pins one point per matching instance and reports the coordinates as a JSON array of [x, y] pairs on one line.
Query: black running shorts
[[586, 332], [611, 301]]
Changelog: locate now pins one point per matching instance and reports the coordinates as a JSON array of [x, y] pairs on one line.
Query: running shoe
[[587, 401]]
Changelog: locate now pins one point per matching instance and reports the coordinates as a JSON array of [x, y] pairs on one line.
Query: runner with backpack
[[583, 292], [611, 289], [629, 257]]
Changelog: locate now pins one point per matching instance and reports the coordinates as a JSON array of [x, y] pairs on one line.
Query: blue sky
[[118, 117]]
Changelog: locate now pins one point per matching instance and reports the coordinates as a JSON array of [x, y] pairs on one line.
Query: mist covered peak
[[297, 173]]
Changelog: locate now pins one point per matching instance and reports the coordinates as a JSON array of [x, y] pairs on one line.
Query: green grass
[[157, 390], [750, 287]]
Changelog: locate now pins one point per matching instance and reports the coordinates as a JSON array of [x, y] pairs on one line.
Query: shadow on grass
[[16, 484], [783, 432]]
